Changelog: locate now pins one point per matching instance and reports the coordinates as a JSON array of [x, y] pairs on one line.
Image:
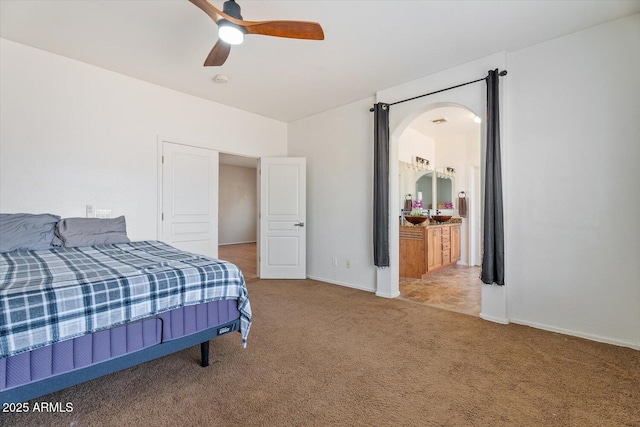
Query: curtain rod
[[502, 73]]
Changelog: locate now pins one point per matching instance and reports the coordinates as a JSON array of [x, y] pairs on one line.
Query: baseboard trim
[[384, 295], [501, 320], [592, 337], [336, 282]]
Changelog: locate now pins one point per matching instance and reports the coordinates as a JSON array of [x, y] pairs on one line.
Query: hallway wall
[[237, 208]]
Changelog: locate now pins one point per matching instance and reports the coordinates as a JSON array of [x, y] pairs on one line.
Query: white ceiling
[[459, 121], [368, 46]]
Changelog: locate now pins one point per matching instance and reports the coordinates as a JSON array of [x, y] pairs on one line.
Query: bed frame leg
[[204, 354]]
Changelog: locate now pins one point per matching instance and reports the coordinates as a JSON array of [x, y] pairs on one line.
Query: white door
[[190, 198], [282, 247]]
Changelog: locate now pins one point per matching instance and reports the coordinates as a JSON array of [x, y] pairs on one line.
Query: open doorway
[[440, 156], [238, 213]]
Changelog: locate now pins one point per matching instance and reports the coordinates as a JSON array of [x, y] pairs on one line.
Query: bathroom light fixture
[[230, 33], [418, 164], [447, 172]]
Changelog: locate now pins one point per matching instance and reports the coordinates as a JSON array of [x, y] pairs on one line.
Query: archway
[[494, 298], [448, 136]]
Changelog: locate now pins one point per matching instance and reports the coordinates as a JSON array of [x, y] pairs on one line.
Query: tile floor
[[456, 288]]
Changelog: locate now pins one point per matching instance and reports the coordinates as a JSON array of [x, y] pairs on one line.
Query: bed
[[72, 314]]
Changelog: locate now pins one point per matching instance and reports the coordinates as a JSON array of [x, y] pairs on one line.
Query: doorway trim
[[474, 214]]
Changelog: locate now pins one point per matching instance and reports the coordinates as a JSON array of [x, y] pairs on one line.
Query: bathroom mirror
[[424, 185], [409, 178], [444, 193], [437, 193]]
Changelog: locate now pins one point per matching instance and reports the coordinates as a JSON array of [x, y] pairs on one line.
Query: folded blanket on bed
[[57, 294]]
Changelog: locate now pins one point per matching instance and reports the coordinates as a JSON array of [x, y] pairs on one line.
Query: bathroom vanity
[[428, 248]]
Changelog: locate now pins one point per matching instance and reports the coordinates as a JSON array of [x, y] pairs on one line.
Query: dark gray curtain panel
[[381, 185], [493, 244]]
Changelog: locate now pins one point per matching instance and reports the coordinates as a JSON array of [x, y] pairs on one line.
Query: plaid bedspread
[[53, 295]]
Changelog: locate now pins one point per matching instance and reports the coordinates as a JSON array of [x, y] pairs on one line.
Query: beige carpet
[[326, 355]]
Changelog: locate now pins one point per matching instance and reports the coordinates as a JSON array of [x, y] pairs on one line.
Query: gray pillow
[[91, 231], [26, 232]]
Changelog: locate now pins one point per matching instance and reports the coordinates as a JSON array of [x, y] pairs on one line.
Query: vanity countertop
[[433, 223]]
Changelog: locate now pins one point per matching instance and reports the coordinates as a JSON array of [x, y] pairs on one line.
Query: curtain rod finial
[[384, 106]]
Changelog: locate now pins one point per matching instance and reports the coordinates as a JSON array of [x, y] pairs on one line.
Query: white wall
[[339, 152], [570, 111], [414, 143], [573, 140], [73, 134], [237, 209]]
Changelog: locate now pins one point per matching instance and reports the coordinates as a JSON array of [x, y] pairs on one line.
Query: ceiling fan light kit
[[230, 33], [232, 28]]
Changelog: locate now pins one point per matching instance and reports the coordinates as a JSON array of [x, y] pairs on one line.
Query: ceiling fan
[[232, 28]]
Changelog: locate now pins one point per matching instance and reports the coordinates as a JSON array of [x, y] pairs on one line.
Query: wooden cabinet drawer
[[445, 234], [446, 257], [446, 246]]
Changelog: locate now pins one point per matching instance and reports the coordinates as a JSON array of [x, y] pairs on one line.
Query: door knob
[[300, 224]]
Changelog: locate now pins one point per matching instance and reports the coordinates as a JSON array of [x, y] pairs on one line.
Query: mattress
[[54, 295], [78, 353]]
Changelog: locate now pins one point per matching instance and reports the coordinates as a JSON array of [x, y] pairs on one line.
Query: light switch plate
[[103, 213]]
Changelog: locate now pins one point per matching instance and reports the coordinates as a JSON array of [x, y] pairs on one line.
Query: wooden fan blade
[[290, 29], [209, 9], [218, 54]]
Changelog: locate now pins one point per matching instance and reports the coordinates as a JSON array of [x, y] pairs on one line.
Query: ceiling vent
[[439, 121]]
